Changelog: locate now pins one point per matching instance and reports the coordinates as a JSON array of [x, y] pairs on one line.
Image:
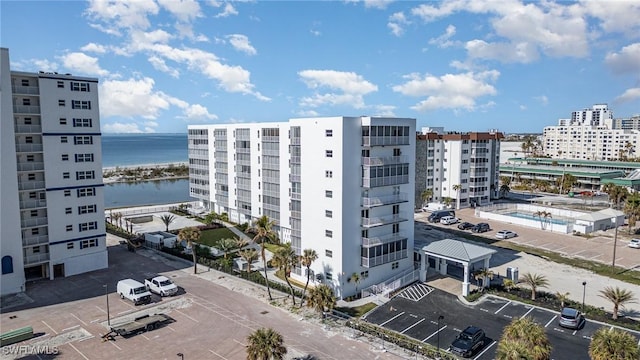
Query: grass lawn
[[211, 237], [357, 311]]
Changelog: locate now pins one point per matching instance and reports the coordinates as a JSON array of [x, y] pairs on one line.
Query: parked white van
[[134, 291]]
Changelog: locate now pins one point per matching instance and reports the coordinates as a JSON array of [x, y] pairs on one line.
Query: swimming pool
[[536, 218]]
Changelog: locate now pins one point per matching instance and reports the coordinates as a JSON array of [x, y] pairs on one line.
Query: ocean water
[[142, 149]]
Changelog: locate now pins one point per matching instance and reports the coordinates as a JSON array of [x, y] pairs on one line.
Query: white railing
[[35, 240], [379, 240], [22, 109], [28, 129], [34, 222], [384, 200], [36, 258], [385, 140], [30, 166], [385, 181], [369, 222], [391, 285], [383, 259], [388, 160], [28, 147], [294, 178], [31, 185], [30, 204], [31, 90]]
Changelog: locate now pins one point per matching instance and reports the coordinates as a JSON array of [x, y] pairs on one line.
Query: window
[[86, 209], [81, 104], [88, 226], [328, 213], [84, 192], [394, 265], [328, 174], [79, 86], [328, 153], [328, 133], [84, 157], [27, 121], [328, 253], [31, 158], [83, 140], [32, 195], [69, 227], [65, 175], [63, 121], [65, 157], [36, 249], [67, 193], [7, 264], [34, 213], [63, 140], [69, 245], [88, 243], [68, 211], [82, 122], [61, 84], [85, 175], [328, 194], [329, 276], [328, 233], [28, 139], [26, 102], [25, 82], [35, 231], [31, 177], [61, 103], [364, 274]]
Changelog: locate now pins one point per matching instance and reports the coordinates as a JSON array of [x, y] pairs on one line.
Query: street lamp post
[[439, 318], [615, 242], [106, 294], [584, 290], [181, 355]]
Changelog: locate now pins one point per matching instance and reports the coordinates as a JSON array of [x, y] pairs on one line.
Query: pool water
[[536, 218]]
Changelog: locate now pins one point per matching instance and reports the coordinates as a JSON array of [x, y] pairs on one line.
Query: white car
[[448, 220], [634, 243], [505, 234]]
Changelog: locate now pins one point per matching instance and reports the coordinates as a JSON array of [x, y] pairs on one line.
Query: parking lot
[[211, 316], [416, 310]]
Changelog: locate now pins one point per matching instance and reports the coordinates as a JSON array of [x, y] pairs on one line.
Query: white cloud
[[120, 128], [183, 10], [82, 63], [377, 4], [228, 10], [35, 65], [307, 113], [444, 40], [241, 43], [351, 85], [522, 107], [396, 23], [122, 13], [198, 112], [626, 61], [160, 65], [615, 16], [134, 98], [543, 99], [449, 91], [629, 95], [384, 110], [95, 48], [505, 52]]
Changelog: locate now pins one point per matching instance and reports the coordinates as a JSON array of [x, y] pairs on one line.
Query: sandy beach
[[116, 173]]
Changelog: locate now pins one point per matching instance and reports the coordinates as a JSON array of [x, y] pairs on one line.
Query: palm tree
[[211, 218], [447, 201], [167, 219], [523, 339], [262, 228], [321, 298], [192, 236], [632, 209], [534, 281], [356, 278], [616, 193], [504, 190], [563, 297], [426, 195], [457, 188], [118, 218], [249, 255], [611, 343], [227, 245], [307, 258], [484, 274], [265, 344], [508, 284], [618, 297], [285, 259], [544, 218]]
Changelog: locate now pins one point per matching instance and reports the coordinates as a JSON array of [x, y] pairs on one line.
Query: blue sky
[[468, 65]]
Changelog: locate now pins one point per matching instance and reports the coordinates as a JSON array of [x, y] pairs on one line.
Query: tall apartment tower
[[52, 213], [463, 167], [594, 116], [342, 186]]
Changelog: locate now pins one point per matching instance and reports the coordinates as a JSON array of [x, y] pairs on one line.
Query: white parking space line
[[504, 306], [187, 316], [393, 318], [170, 328], [74, 315], [527, 313], [485, 350], [69, 328], [79, 352], [124, 312], [49, 327], [216, 354], [403, 331], [101, 309], [114, 344], [435, 333], [574, 332], [553, 318]]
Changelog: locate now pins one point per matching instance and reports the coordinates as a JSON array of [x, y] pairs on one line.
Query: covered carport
[[448, 251]]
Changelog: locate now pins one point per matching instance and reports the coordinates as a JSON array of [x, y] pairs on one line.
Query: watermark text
[[29, 350]]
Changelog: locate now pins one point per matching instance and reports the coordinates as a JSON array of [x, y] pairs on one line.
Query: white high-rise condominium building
[[463, 167], [342, 186], [593, 135], [52, 213]]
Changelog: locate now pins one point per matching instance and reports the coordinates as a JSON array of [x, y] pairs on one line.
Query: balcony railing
[[295, 159], [385, 140], [296, 233], [383, 220], [271, 193], [36, 258], [32, 204], [389, 160], [271, 152], [30, 166], [383, 259], [34, 222], [26, 129], [296, 214], [384, 200], [28, 147], [243, 150], [25, 90], [295, 196], [295, 141], [369, 242], [294, 178], [385, 181], [31, 185], [22, 109], [35, 240]]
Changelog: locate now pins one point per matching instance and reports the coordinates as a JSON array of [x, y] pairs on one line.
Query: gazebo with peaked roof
[[457, 251]]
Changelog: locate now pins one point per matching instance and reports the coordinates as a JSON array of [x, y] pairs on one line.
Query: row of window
[[81, 175], [78, 140], [79, 157], [78, 122], [88, 226], [84, 244], [75, 104]]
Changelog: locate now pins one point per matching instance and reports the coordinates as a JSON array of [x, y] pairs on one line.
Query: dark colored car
[[435, 216], [571, 318], [465, 225], [480, 228], [468, 342]]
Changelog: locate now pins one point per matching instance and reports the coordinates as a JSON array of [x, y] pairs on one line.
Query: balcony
[[295, 141], [270, 152], [271, 179], [296, 232], [28, 148], [369, 202], [295, 196], [28, 129], [296, 214], [243, 150], [33, 204], [384, 181], [389, 160], [272, 193], [23, 109], [294, 178], [36, 258], [383, 220], [383, 259], [35, 240], [25, 90], [385, 140], [369, 242], [31, 222], [295, 159], [30, 166], [31, 185]]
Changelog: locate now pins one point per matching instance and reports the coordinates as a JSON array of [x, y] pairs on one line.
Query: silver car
[[571, 318]]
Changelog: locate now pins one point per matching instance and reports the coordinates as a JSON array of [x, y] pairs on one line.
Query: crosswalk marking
[[415, 292]]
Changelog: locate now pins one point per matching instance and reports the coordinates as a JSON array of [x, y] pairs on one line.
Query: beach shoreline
[[144, 166], [143, 172]]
